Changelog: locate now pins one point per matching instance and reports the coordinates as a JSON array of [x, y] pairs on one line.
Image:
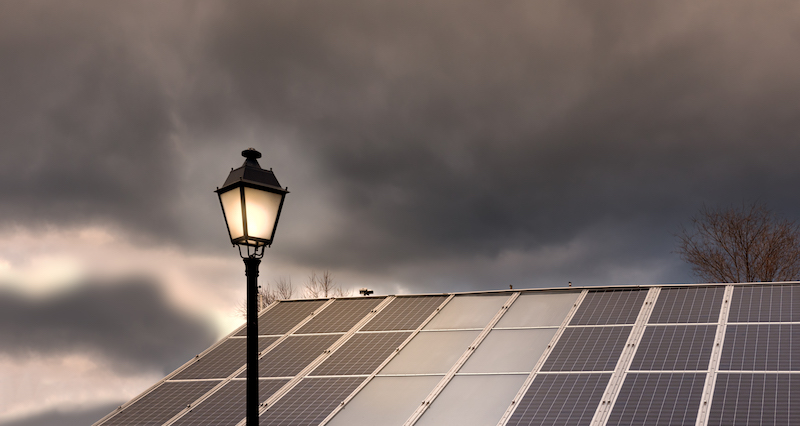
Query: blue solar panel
[[658, 399], [755, 399], [588, 349], [688, 305], [761, 347], [560, 399], [609, 307], [765, 303], [675, 347]]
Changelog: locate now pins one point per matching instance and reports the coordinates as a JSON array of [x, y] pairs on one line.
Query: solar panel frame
[[588, 349], [285, 315], [309, 402], [227, 405], [361, 354], [658, 399], [223, 360], [340, 316], [602, 307], [765, 303], [755, 399], [560, 399], [688, 305], [293, 354], [161, 404], [761, 347], [404, 313], [675, 347]]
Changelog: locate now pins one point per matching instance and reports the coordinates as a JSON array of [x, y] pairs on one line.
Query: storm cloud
[[435, 130], [129, 325], [429, 146]]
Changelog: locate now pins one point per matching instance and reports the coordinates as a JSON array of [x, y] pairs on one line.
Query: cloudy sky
[[429, 146]]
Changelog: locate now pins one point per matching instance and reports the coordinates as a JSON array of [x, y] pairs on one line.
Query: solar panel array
[[671, 355]]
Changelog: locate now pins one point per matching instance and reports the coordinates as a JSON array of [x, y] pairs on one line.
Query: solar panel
[[293, 354], [227, 405], [472, 400], [675, 347], [341, 316], [587, 349], [431, 352], [609, 307], [664, 383], [507, 351], [284, 316], [361, 354], [761, 347], [223, 360], [685, 305], [755, 399], [385, 401], [404, 313], [310, 401], [467, 311], [560, 399], [162, 403], [538, 309], [658, 399], [765, 303]]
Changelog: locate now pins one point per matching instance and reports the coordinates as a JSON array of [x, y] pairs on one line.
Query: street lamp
[[251, 200]]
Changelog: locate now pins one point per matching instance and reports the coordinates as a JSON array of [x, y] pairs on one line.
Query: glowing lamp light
[[251, 200]]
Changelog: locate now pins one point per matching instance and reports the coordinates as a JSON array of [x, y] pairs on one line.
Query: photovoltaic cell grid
[[588, 349], [404, 313], [761, 347], [284, 316], [341, 316], [223, 360], [755, 399], [560, 399], [765, 303], [687, 305], [609, 307], [227, 405], [658, 399], [362, 354], [310, 401], [162, 403], [292, 355], [675, 347]]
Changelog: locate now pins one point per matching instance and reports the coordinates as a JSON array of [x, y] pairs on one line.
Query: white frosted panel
[[262, 209], [533, 310], [472, 400], [467, 312], [386, 401], [232, 205], [509, 351], [431, 352]]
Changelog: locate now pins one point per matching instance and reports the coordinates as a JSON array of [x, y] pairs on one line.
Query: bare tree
[[321, 286], [267, 294], [747, 244]]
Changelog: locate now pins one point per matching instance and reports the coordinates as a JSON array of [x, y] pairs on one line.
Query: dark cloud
[[470, 128], [62, 418], [434, 130], [129, 325]]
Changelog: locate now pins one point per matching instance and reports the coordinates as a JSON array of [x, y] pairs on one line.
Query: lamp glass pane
[[232, 205], [262, 212]]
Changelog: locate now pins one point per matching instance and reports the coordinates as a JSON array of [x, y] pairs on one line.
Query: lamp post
[[251, 200]]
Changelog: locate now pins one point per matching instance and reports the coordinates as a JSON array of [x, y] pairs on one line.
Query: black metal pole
[[251, 270]]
